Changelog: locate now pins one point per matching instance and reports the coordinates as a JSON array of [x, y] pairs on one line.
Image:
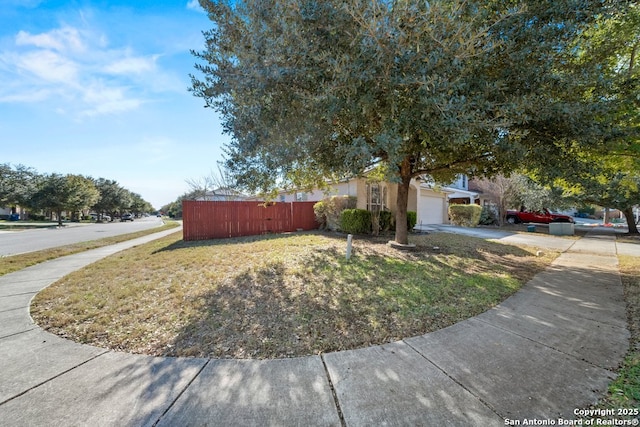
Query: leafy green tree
[[60, 193], [111, 197], [82, 193], [17, 185], [173, 209], [315, 89], [604, 181], [608, 173], [139, 205], [505, 191]]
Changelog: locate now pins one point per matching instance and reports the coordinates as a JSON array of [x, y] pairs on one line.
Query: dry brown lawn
[[280, 295]]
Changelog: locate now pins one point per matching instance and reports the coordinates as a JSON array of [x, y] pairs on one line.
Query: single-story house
[[8, 212], [5, 213], [223, 195], [428, 200]]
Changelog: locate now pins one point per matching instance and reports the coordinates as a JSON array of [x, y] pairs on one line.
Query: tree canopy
[[314, 89], [17, 184], [24, 186], [64, 193], [606, 173]]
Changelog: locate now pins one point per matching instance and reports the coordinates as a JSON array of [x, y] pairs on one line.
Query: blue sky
[[99, 88]]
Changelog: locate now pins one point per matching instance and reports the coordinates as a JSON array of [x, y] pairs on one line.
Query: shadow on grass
[[332, 304]]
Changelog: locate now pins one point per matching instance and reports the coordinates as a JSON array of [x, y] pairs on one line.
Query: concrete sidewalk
[[546, 351]]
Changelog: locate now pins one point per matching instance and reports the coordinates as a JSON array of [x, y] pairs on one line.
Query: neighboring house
[[5, 213], [462, 194], [483, 199], [223, 195]]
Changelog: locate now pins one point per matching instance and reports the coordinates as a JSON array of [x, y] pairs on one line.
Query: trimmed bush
[[465, 215], [355, 221], [328, 210], [387, 221], [382, 221], [412, 220], [488, 216]]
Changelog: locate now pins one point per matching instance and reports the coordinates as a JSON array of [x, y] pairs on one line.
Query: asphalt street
[[17, 242]]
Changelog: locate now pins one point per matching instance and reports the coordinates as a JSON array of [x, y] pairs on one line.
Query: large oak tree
[[315, 89]]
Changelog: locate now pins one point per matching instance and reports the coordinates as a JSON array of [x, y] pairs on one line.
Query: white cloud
[[48, 66], [63, 40], [195, 5], [99, 99], [132, 65], [76, 71], [38, 95]]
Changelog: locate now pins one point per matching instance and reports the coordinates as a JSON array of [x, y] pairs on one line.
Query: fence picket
[[215, 220]]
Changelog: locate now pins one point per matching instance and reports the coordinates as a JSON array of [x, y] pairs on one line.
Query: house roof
[[461, 194], [433, 187]]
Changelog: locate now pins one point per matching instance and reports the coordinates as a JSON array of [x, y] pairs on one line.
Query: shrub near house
[[465, 215], [329, 210], [355, 221]]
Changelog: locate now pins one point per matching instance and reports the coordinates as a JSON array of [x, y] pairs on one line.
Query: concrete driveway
[[542, 241]]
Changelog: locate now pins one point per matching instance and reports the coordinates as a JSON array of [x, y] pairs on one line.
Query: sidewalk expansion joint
[[573, 356], [18, 333], [12, 309], [181, 393], [343, 423], [53, 377], [18, 294], [479, 398]]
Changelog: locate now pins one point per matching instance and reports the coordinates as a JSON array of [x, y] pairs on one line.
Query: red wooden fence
[[215, 220]]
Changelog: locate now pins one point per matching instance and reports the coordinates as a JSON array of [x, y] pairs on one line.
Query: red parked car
[[543, 217]]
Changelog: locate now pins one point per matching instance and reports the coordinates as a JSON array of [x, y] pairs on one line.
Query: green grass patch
[[9, 264], [624, 392], [280, 296]]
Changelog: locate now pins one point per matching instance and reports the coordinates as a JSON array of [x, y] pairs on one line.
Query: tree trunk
[[631, 220], [59, 213], [402, 232]]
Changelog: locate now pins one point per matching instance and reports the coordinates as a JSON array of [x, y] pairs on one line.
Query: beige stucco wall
[[361, 193], [357, 187], [392, 201]]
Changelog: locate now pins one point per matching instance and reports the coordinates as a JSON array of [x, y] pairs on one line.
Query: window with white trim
[[376, 197]]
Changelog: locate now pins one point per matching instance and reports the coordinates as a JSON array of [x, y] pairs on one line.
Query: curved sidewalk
[[546, 351]]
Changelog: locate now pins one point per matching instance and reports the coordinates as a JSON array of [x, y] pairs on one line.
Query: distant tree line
[[75, 195]]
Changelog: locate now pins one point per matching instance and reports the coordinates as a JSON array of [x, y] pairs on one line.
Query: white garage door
[[430, 210]]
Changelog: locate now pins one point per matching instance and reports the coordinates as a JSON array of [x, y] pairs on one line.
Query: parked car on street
[[543, 217], [126, 217]]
